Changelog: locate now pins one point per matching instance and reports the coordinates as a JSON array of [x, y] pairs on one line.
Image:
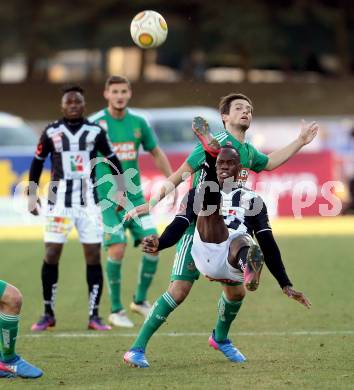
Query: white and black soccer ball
[[148, 29]]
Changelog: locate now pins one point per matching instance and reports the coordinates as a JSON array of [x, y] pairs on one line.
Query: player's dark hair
[[117, 80], [72, 88], [225, 101]]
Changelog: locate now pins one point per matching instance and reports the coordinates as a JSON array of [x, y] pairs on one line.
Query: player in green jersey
[[11, 364], [236, 112], [127, 132]]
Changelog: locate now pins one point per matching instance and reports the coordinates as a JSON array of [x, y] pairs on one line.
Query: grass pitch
[[287, 346]]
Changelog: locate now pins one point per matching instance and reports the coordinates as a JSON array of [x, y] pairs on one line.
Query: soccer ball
[[148, 29]]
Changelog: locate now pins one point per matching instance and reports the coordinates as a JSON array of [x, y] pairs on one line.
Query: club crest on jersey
[[103, 124], [76, 163], [137, 133]]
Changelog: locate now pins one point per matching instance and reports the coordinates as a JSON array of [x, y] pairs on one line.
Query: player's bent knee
[[116, 252], [239, 242], [179, 290], [235, 293], [12, 299]]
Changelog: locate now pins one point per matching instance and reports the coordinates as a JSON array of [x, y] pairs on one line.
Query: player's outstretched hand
[[136, 211], [308, 132], [297, 295], [150, 244]]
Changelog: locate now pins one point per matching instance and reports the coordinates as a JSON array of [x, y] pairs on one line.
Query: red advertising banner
[[304, 186]]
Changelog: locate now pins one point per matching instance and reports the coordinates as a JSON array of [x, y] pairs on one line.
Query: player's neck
[[74, 121], [116, 114], [238, 133]]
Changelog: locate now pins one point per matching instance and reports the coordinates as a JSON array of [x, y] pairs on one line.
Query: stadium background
[[294, 59]]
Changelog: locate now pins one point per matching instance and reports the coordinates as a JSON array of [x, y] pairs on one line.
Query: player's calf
[[254, 265]]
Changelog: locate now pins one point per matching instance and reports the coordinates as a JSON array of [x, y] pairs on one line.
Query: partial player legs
[[49, 275], [147, 271], [12, 365], [228, 307], [246, 255], [177, 292], [118, 316], [94, 278]]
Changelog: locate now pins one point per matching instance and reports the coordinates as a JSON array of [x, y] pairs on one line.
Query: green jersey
[[250, 157], [126, 135]]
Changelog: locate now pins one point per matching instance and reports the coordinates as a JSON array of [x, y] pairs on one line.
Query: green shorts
[[114, 228], [3, 286], [184, 267]]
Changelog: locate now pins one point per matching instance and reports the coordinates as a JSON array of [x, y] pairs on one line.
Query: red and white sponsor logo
[[125, 151]]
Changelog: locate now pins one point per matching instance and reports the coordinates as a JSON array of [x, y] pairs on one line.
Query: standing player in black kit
[[72, 143]]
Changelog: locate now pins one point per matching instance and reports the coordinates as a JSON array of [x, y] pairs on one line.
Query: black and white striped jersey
[[72, 148], [243, 210]]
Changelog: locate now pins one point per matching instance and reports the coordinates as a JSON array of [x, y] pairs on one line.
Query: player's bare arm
[[33, 202], [169, 185], [307, 134], [162, 163]]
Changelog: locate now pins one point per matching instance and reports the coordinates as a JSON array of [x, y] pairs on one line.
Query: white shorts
[[60, 220], [212, 259]]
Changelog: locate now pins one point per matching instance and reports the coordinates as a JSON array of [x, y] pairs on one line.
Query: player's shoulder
[[53, 127], [221, 135], [96, 116], [250, 197], [245, 194], [138, 116], [92, 126], [249, 193]]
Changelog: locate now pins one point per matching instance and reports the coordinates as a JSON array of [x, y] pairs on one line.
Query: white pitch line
[[194, 334]]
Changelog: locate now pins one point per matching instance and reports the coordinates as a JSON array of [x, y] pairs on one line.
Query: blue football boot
[[136, 358], [227, 348]]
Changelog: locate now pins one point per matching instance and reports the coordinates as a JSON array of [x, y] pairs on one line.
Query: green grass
[[321, 267]]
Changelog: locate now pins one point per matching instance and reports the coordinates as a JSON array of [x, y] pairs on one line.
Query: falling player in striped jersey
[[72, 143], [223, 249]]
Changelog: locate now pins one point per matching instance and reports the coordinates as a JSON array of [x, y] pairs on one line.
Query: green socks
[[227, 312], [147, 271], [8, 334], [113, 277], [157, 316]]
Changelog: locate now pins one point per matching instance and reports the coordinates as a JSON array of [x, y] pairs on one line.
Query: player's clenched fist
[[150, 244]]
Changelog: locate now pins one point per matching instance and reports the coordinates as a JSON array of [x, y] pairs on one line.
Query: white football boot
[[120, 319], [141, 308]]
